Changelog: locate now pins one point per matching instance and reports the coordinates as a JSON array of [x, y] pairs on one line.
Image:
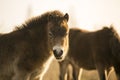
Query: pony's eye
[[50, 34]]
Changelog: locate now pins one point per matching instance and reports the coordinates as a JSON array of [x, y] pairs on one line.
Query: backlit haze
[[85, 14]]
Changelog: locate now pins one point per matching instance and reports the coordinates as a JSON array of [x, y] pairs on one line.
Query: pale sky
[[86, 14]]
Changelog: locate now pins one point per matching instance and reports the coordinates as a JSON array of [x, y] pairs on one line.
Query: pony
[[27, 51], [92, 50]]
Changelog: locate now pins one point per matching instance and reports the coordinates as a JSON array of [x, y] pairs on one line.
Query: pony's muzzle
[[58, 52]]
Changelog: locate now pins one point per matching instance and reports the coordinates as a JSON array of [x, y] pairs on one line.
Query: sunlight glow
[[86, 14]]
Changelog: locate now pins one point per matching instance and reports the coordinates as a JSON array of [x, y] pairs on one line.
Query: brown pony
[[92, 50], [27, 51]]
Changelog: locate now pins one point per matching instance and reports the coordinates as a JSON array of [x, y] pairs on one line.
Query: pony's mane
[[40, 20], [106, 29], [111, 30]]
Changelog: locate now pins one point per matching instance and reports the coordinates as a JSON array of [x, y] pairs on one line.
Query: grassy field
[[53, 73]]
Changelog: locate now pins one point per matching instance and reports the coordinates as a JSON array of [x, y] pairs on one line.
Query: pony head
[[58, 34]]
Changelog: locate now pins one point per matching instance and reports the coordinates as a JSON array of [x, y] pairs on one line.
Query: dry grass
[[53, 73]]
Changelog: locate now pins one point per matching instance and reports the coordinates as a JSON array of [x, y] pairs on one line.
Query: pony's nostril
[[61, 52], [55, 52]]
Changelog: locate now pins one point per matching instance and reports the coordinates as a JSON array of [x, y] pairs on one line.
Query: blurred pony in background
[[98, 50]]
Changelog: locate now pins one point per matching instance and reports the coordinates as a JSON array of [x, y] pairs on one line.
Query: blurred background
[[86, 14]]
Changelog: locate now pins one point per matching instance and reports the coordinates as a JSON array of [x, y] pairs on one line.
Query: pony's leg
[[69, 73], [63, 69], [117, 70], [75, 72], [21, 75], [5, 77], [37, 75], [80, 74], [106, 74], [101, 72], [34, 76], [109, 71]]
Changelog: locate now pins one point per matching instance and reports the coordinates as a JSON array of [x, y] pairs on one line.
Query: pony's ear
[[50, 17], [66, 16]]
